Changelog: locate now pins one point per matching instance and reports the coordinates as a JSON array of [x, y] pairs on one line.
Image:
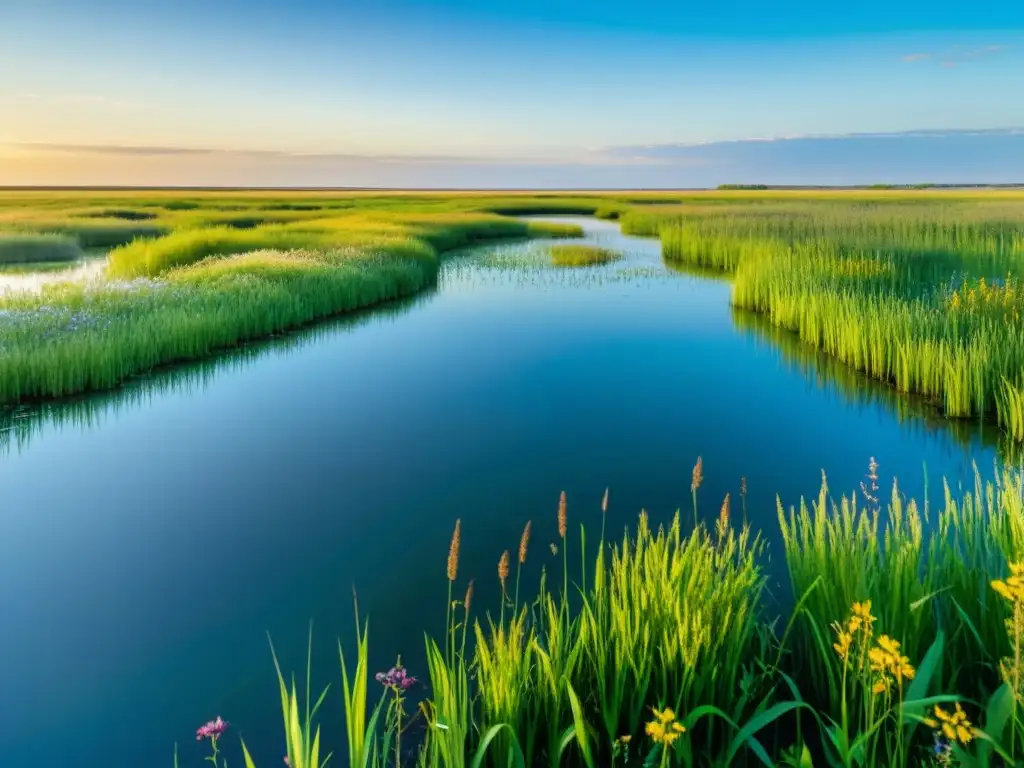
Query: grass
[[921, 295], [582, 255], [919, 289], [27, 249], [667, 649], [200, 288]]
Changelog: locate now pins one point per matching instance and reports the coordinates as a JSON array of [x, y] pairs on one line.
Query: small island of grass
[[18, 248], [582, 255]]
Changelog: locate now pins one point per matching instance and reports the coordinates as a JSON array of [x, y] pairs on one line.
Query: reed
[[201, 289], [582, 255], [904, 643], [16, 248]]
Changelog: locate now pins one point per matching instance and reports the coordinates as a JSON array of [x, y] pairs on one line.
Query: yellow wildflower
[[862, 611], [624, 739], [954, 726], [1013, 588], [664, 729], [842, 647]]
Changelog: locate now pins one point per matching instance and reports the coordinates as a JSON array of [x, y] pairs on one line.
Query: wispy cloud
[[958, 54]]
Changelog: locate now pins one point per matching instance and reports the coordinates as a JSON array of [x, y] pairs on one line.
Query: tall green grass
[[24, 248], [926, 298], [198, 290], [898, 620]]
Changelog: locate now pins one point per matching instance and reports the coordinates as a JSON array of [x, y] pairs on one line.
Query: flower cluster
[[858, 624], [883, 658], [889, 664], [212, 730], [1013, 588], [954, 725], [396, 679], [664, 728]]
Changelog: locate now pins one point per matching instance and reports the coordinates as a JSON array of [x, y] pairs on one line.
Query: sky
[[510, 93]]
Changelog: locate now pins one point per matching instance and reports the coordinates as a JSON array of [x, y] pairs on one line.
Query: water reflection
[[20, 424]]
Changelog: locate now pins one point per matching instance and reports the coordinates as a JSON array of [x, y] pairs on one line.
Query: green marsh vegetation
[[922, 292], [582, 255], [919, 289], [18, 248], [205, 285], [901, 646]]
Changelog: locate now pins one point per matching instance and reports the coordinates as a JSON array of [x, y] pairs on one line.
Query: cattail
[[604, 501], [698, 475], [563, 516], [503, 569], [468, 602], [453, 552], [524, 542]]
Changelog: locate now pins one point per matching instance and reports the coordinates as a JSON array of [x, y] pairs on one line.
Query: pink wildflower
[[212, 730]]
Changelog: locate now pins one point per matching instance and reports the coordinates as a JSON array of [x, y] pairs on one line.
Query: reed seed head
[[563, 516], [743, 486], [698, 475], [468, 601], [524, 542], [453, 551], [604, 502], [723, 517], [503, 569]]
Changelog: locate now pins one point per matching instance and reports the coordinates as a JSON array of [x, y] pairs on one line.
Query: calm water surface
[[151, 538]]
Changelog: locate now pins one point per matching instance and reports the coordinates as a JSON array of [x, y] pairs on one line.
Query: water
[[31, 278], [152, 537]]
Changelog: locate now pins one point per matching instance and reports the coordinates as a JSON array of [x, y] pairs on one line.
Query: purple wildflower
[[212, 730], [396, 678]]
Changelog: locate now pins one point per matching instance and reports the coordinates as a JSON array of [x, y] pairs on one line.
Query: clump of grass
[[19, 248], [582, 255], [903, 648]]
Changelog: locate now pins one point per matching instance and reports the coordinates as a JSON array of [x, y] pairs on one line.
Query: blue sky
[[527, 93]]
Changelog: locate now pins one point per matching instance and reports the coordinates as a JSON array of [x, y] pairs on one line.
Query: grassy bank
[[200, 289], [902, 645], [923, 296], [26, 249], [582, 255]]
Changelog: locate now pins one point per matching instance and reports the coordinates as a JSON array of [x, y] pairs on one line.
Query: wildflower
[[844, 641], [624, 739], [889, 664], [954, 726], [212, 730], [943, 750], [1013, 588], [563, 517], [453, 551], [664, 728], [862, 611], [396, 678]]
